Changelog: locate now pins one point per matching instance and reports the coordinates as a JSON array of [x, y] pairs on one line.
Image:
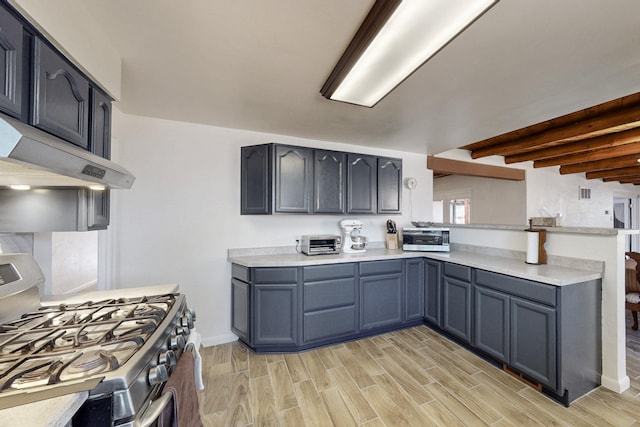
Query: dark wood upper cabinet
[[330, 183], [11, 42], [60, 96], [389, 185], [361, 183]]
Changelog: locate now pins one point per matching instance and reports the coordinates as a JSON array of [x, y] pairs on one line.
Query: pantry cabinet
[[281, 179]]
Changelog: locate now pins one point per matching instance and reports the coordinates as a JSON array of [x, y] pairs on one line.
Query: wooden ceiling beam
[[598, 165], [589, 156], [605, 141], [567, 119], [442, 166], [621, 178], [631, 170], [628, 117]]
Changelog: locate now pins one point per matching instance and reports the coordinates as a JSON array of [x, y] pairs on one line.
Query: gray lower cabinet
[[329, 302], [457, 300], [551, 334], [381, 296], [240, 309], [275, 315], [413, 289], [433, 292], [491, 332], [533, 340]]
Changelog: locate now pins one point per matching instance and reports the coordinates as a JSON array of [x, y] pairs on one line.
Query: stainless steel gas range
[[121, 350]]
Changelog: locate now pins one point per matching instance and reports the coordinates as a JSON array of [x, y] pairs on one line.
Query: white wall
[[183, 212], [549, 193]]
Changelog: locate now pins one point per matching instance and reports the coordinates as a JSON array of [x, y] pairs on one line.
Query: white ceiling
[[259, 65]]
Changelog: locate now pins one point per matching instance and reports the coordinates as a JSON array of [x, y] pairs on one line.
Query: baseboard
[[220, 339], [617, 386]]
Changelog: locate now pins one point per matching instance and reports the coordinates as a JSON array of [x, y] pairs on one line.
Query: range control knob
[[158, 375], [177, 342], [181, 330], [186, 321], [168, 359]]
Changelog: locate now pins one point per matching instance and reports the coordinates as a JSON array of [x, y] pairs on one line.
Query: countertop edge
[[54, 412], [550, 274]]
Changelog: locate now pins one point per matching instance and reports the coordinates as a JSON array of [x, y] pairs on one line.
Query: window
[[459, 211]]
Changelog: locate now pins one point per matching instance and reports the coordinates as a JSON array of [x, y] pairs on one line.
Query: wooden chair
[[632, 287]]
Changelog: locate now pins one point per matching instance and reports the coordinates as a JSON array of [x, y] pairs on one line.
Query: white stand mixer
[[352, 241]]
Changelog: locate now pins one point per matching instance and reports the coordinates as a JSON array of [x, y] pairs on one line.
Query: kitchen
[[180, 164]]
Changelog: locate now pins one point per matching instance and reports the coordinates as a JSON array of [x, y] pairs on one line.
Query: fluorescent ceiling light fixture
[[97, 187], [20, 187], [394, 40]]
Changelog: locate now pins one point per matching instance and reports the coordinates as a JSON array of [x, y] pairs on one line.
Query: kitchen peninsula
[[536, 320]]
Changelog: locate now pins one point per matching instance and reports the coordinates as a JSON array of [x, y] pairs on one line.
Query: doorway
[[626, 215]]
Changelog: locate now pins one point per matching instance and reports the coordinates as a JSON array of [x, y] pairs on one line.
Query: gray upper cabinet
[[389, 185], [289, 179], [11, 62], [100, 144], [61, 96], [293, 176], [255, 180], [329, 183], [361, 184]]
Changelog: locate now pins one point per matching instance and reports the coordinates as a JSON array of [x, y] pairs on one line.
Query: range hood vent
[[31, 156]]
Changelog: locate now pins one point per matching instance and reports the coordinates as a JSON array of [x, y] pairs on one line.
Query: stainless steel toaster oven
[[321, 244]]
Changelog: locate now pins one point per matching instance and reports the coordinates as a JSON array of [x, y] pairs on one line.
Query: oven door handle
[[154, 411]]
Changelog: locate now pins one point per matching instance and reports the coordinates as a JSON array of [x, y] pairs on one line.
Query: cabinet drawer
[[545, 294], [461, 272], [380, 267], [275, 275], [240, 272], [327, 272], [318, 295], [329, 323]]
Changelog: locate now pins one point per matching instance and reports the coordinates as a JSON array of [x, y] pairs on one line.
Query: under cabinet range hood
[[31, 156]]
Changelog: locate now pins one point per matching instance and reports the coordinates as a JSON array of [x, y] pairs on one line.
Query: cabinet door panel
[[389, 185], [330, 323], [533, 340], [380, 301], [432, 291], [255, 180], [456, 313], [361, 184], [61, 96], [414, 289], [275, 316], [492, 323], [10, 64], [293, 179], [329, 184], [240, 309]]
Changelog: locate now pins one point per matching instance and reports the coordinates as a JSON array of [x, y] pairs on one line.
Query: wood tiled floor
[[412, 377]]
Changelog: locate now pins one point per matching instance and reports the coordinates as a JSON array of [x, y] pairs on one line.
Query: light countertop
[[547, 273]]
